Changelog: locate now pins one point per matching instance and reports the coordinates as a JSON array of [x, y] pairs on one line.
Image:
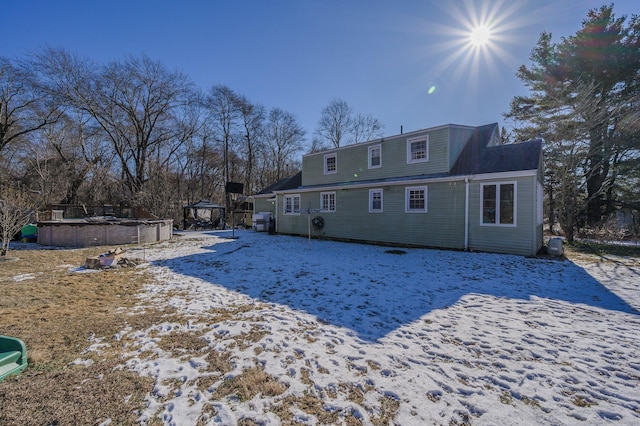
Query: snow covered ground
[[430, 336]]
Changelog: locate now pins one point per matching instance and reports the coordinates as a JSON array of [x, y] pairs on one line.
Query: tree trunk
[[552, 206]]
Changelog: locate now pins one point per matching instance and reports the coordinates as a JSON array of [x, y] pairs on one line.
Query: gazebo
[[203, 215]]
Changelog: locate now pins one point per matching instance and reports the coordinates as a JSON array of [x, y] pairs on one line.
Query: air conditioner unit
[[260, 221]]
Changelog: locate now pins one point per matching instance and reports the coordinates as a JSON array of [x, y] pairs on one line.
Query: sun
[[471, 42], [477, 41], [480, 36]]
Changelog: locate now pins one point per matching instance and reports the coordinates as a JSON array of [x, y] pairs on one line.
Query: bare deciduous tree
[[252, 118], [223, 107], [284, 137], [318, 145], [23, 108], [68, 153], [222, 104], [16, 209], [137, 103], [365, 128], [340, 126], [335, 122]]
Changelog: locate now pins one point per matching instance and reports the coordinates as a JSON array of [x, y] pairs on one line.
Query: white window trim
[[322, 207], [371, 192], [327, 156], [406, 199], [284, 205], [515, 204], [372, 147], [418, 139]]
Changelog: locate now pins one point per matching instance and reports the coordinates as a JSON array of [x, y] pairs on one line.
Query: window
[[328, 201], [416, 199], [418, 150], [292, 204], [498, 203], [375, 201], [375, 156], [330, 164]]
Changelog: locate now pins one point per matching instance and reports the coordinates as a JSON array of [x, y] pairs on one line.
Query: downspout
[[466, 214]]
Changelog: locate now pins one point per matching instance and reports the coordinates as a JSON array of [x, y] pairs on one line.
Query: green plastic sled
[[13, 356]]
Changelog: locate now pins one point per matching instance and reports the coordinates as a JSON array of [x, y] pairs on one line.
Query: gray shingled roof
[[477, 157], [290, 182], [509, 158], [466, 162]]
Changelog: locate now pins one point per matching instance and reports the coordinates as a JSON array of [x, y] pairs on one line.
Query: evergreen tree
[[583, 101]]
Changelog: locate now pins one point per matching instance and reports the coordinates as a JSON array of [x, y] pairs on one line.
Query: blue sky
[[382, 57]]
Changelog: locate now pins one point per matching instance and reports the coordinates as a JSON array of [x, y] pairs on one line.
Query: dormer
[[424, 152]]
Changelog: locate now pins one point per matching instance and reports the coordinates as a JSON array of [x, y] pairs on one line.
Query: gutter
[[376, 184], [403, 182]]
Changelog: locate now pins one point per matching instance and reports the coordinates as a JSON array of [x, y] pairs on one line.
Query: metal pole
[[309, 224], [233, 216]]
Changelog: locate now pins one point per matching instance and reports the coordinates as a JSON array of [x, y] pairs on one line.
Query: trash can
[[29, 233], [555, 247]]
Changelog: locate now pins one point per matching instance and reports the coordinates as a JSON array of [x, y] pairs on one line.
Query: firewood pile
[[111, 259]]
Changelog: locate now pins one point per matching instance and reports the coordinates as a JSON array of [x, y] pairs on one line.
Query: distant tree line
[[584, 101], [73, 131]]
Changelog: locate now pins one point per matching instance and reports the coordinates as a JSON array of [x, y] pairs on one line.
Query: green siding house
[[451, 186]]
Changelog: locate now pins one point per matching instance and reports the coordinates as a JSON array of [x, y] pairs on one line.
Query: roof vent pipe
[[401, 129]]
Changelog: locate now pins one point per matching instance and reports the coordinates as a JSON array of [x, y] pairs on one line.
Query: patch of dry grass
[[56, 314], [388, 409], [599, 252], [57, 311], [307, 403], [182, 343], [253, 336], [59, 314], [74, 396], [582, 401], [251, 382], [316, 406]]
